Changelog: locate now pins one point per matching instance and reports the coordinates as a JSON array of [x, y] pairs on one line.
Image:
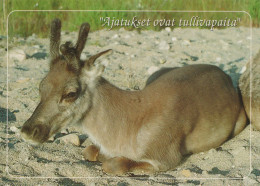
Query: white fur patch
[[89, 77]]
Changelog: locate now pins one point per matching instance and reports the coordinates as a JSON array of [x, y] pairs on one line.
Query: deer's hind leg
[[122, 165], [241, 122]]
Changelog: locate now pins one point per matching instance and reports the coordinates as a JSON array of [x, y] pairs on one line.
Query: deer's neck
[[114, 113], [115, 103]]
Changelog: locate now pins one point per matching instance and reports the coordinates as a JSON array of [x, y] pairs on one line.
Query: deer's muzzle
[[35, 133]]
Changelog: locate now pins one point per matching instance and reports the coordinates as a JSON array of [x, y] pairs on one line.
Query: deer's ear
[[92, 59], [91, 70]]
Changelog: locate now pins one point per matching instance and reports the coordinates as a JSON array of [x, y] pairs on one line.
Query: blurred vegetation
[[25, 23]]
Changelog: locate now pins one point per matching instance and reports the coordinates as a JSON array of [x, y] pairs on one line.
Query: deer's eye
[[70, 95]]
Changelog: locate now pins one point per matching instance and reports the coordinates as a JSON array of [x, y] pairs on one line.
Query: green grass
[[28, 22]]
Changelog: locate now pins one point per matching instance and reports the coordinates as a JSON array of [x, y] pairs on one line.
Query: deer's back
[[196, 104]]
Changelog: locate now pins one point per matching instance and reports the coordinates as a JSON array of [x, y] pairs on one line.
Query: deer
[[249, 85], [180, 111]]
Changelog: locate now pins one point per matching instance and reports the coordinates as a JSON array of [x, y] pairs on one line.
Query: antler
[[82, 38], [55, 39], [69, 53]]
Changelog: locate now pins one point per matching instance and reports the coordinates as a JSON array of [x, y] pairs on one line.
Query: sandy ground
[[136, 55]]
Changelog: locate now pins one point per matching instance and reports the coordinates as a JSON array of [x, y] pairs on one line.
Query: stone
[[51, 139], [186, 173], [71, 138], [244, 85], [32, 37], [168, 29], [115, 36], [162, 61], [22, 80], [186, 42], [163, 45], [242, 70], [16, 54], [152, 69], [64, 131], [218, 59], [174, 39], [14, 129]]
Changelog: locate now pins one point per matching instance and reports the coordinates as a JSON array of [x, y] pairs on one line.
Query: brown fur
[[180, 111], [244, 84]]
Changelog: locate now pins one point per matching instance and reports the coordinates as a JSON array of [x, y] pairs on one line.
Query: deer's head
[[66, 91]]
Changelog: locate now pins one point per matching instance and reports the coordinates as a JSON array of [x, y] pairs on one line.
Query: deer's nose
[[35, 132], [26, 129]]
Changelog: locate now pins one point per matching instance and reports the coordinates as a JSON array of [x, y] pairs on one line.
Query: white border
[[122, 177]]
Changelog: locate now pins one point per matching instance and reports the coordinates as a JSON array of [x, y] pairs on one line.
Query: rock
[[32, 37], [16, 54], [14, 129], [37, 46], [83, 56], [186, 43], [22, 80], [152, 69], [71, 138], [163, 45], [218, 59], [174, 39], [168, 29], [242, 70], [136, 87], [64, 131], [162, 61], [186, 173], [133, 56], [244, 85], [51, 139], [115, 36], [206, 157]]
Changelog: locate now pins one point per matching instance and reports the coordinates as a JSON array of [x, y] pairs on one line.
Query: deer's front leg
[[91, 153]]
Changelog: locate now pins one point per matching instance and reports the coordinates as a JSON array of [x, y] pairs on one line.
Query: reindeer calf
[[180, 111]]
